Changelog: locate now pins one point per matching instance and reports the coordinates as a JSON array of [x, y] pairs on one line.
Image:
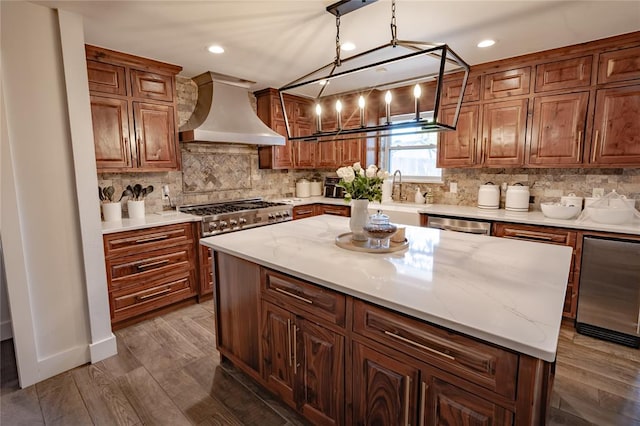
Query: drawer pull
[[423, 396], [579, 145], [295, 349], [304, 211], [595, 147], [154, 238], [152, 295], [293, 295], [151, 264], [418, 345], [407, 395], [334, 212], [289, 339], [533, 236]]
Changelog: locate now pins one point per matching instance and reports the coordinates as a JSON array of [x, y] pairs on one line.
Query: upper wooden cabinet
[[459, 148], [616, 127], [558, 131], [503, 133], [507, 83], [565, 74], [619, 65], [451, 90], [133, 112]]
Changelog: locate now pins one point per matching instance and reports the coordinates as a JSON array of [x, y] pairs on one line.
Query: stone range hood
[[223, 114]]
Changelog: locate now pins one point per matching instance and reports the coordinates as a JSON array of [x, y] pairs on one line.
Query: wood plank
[[103, 398], [195, 333], [194, 400], [8, 369], [21, 407], [152, 404], [243, 403], [60, 401], [167, 337], [123, 362]]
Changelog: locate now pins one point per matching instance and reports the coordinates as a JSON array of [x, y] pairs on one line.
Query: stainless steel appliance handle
[[458, 229]]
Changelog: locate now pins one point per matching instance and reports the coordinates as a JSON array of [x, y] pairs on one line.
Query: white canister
[[489, 196], [136, 209], [112, 212], [316, 188], [517, 198], [387, 189], [571, 200], [303, 188]]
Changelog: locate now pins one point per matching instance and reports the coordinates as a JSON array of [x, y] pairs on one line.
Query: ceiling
[[275, 42]]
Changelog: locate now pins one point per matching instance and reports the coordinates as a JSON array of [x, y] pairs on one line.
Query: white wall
[[49, 243]]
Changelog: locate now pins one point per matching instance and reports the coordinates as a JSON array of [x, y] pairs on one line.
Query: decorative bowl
[[610, 215], [559, 211]]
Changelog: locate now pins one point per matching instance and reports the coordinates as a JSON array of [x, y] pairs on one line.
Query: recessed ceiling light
[[347, 46], [323, 82], [486, 43], [215, 49]]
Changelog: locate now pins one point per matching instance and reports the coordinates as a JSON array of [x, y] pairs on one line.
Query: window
[[414, 155]]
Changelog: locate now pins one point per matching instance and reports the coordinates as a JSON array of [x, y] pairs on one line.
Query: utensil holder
[[111, 212], [136, 209]]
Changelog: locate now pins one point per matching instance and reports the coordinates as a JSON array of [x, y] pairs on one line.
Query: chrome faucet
[[393, 185]]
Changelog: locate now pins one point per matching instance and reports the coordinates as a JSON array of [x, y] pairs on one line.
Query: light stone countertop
[[148, 221], [507, 292]]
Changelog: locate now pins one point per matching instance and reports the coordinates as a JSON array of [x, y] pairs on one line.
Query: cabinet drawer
[[106, 78], [565, 74], [486, 365], [148, 85], [124, 243], [134, 269], [334, 210], [300, 212], [131, 302], [619, 65], [321, 302]]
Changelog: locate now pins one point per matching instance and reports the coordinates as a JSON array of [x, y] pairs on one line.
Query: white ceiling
[[275, 42]]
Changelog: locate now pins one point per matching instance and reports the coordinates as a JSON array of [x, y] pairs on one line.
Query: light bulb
[[318, 110], [338, 105], [417, 91], [387, 97], [361, 102]]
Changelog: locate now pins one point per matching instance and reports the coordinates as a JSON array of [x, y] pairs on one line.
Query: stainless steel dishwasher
[[609, 293], [469, 226]]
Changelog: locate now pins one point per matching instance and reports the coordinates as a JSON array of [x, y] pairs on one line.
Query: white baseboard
[[103, 349], [6, 331], [62, 361]]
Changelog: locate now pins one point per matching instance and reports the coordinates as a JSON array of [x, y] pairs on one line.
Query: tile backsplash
[[214, 172]]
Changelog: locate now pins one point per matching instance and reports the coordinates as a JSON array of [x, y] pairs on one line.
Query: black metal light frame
[[441, 52]]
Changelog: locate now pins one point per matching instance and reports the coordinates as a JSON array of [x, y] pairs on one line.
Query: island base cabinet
[[303, 363], [237, 306]]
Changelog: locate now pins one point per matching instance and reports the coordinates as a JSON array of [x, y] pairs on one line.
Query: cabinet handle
[[423, 397], [638, 324], [474, 152], [154, 238], [128, 149], [157, 293], [595, 146], [150, 264], [418, 345], [304, 212], [579, 145], [295, 349], [293, 295], [533, 236], [334, 212], [139, 143], [289, 339], [407, 395], [484, 150]]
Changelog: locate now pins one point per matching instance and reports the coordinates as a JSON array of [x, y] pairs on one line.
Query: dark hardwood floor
[[167, 372]]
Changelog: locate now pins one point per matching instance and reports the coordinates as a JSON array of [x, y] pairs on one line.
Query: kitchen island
[[455, 328]]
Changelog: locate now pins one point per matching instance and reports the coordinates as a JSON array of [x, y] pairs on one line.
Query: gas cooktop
[[228, 216]]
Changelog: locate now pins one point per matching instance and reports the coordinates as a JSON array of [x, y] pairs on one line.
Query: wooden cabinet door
[[459, 148], [304, 154], [565, 74], [619, 65], [445, 404], [507, 83], [616, 127], [327, 154], [557, 134], [384, 389], [155, 136], [503, 133], [149, 85], [277, 350], [283, 154], [451, 90], [206, 271], [106, 78], [110, 118], [319, 365], [352, 151]]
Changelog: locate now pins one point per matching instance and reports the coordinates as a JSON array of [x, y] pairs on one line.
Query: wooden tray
[[344, 241]]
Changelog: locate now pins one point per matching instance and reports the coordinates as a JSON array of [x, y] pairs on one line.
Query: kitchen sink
[[398, 213]]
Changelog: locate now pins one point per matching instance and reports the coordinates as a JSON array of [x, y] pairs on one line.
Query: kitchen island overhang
[[506, 292]]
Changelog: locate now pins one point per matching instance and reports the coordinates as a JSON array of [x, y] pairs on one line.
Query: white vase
[[359, 218], [136, 209], [112, 212]]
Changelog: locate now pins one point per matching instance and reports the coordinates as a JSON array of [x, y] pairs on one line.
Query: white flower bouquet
[[362, 184]]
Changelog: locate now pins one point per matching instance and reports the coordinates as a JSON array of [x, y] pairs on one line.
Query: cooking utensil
[[100, 194], [148, 190], [137, 190], [126, 193], [108, 193]]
